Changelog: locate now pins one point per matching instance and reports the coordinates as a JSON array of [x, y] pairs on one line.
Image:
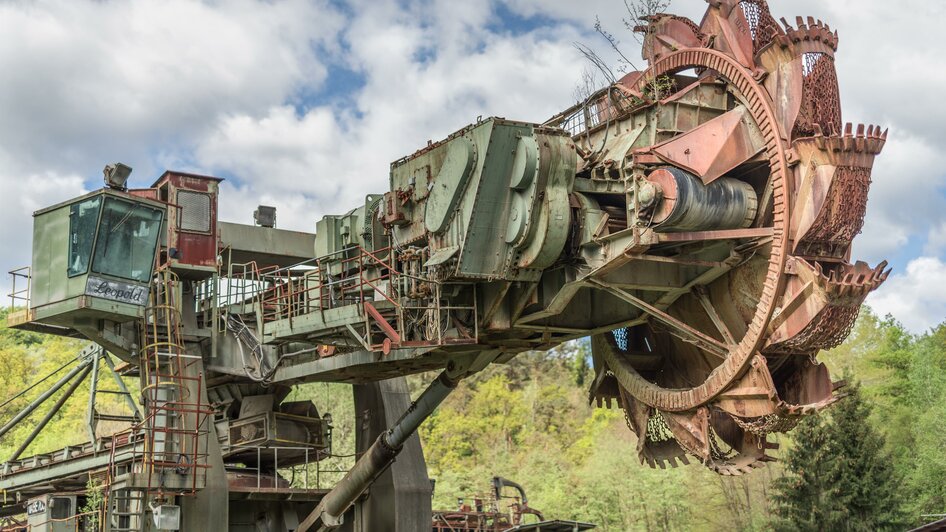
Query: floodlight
[[265, 216], [116, 175]]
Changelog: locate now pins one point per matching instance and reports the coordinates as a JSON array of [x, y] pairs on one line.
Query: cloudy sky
[[302, 104]]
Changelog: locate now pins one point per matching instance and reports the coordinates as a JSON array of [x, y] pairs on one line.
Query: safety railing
[[132, 451], [385, 286], [133, 466], [20, 285], [353, 276], [243, 286], [311, 286], [302, 468], [390, 295], [174, 419], [74, 522], [607, 104]]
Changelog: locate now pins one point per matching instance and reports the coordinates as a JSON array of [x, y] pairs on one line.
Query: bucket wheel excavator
[[694, 219]]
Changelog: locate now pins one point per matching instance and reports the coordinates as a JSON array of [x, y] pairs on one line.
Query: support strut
[[328, 514], [46, 395], [93, 390], [121, 387], [52, 412]]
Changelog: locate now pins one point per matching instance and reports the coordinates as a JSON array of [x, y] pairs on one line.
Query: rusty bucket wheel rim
[[737, 361]]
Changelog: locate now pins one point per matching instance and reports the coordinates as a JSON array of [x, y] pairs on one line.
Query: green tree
[[838, 476], [925, 462]]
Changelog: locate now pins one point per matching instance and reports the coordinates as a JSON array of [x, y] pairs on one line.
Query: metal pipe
[[419, 410], [42, 398], [52, 412], [328, 514], [499, 483]]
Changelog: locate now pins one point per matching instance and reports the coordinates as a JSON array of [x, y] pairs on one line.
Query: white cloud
[[24, 194], [916, 297], [422, 82], [85, 82], [906, 196], [294, 211], [936, 240]]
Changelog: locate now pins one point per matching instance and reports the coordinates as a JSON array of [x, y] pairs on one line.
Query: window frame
[[61, 508], [180, 212], [73, 216], [159, 225]]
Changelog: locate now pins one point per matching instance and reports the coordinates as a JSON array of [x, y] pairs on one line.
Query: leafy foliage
[[25, 359], [94, 501], [904, 381], [530, 421]]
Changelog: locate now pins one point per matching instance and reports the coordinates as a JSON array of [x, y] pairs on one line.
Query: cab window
[[127, 238], [61, 508], [83, 217]]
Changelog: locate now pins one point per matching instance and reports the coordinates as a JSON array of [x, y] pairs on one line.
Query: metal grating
[[621, 338], [194, 211]]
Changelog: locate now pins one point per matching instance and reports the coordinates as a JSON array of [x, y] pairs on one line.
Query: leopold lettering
[[106, 290], [116, 291]]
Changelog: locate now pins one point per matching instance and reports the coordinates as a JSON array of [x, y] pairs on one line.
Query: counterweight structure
[[694, 219]]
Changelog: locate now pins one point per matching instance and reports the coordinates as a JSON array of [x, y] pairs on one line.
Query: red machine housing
[[191, 245]]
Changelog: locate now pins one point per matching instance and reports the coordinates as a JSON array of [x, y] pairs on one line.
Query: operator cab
[[93, 258]]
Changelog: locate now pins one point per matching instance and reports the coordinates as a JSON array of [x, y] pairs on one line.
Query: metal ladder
[[174, 415], [126, 511]]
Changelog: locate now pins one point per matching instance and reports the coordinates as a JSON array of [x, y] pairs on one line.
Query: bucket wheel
[[712, 368]]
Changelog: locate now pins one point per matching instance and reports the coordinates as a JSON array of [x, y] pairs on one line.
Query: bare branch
[[639, 14], [623, 60], [596, 61], [587, 84], [639, 11]]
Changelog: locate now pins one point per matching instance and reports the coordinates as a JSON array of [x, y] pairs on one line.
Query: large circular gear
[[738, 355], [716, 365]]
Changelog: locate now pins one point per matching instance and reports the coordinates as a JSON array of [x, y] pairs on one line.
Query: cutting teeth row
[[852, 280], [813, 30], [867, 139], [601, 402], [662, 463], [734, 470]]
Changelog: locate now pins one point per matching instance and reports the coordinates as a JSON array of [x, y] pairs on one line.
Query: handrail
[[24, 293], [351, 276], [311, 457], [75, 518]]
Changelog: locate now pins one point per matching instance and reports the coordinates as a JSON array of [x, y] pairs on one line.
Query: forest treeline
[[530, 421]]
